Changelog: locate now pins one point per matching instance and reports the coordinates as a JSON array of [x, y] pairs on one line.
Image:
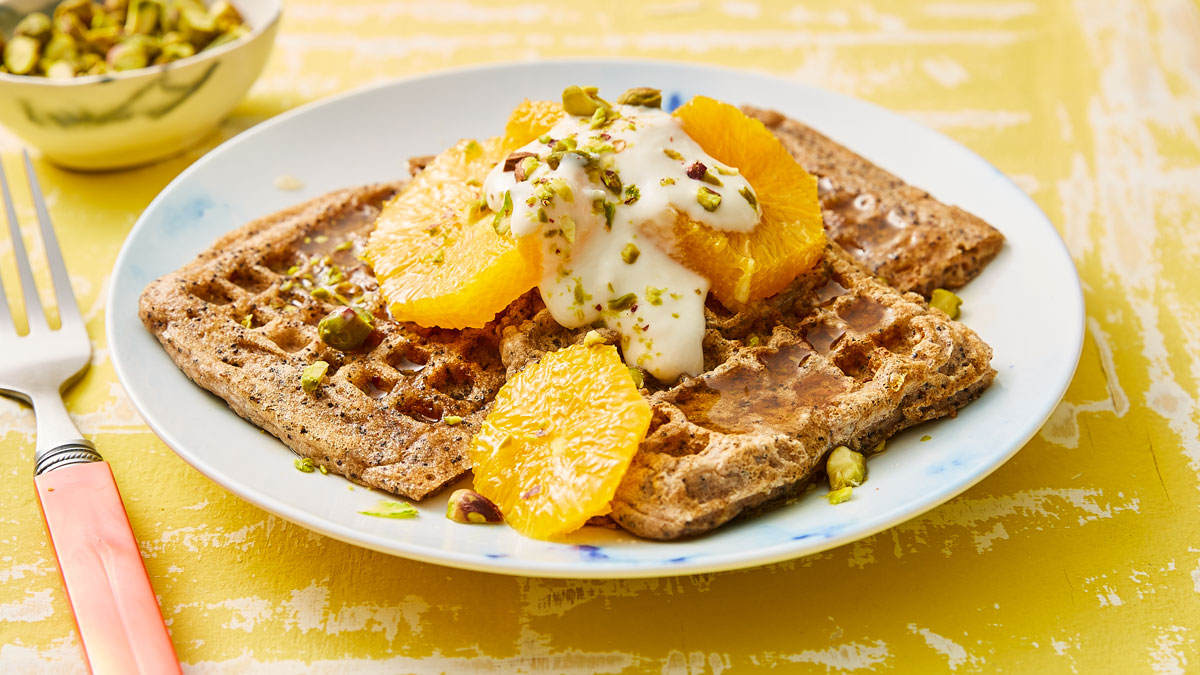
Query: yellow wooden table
[[1082, 554]]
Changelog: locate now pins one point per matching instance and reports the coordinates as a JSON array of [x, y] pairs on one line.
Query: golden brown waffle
[[897, 231], [836, 359], [378, 416]]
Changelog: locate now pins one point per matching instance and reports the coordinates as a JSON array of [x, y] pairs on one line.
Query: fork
[[115, 608]]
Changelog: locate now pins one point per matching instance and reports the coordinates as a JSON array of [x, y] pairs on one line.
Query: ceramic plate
[[369, 134]]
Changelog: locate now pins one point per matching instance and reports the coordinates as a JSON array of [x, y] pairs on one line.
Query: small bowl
[[136, 117]]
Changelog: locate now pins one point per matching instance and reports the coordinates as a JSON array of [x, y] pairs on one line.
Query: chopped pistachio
[[725, 170], [562, 189], [439, 256], [141, 17], [34, 25], [582, 101], [566, 225], [599, 147], [291, 271], [389, 508], [248, 320], [639, 380], [100, 39], [304, 465], [845, 468], [286, 286], [748, 195], [611, 180], [610, 211], [673, 154], [632, 194], [322, 293], [666, 181], [21, 54], [344, 246], [623, 302], [197, 26], [592, 339], [468, 506], [312, 375], [926, 437], [654, 295], [545, 138], [599, 118], [60, 70], [452, 420], [60, 48], [322, 469], [630, 253], [526, 167], [346, 328], [709, 199], [879, 447], [754, 341], [81, 9], [645, 97], [225, 15], [839, 496], [946, 301], [498, 223], [128, 55]]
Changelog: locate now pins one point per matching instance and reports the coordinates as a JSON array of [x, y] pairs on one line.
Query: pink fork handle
[[115, 608]]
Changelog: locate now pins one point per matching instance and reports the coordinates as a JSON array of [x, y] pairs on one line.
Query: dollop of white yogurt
[[588, 190]]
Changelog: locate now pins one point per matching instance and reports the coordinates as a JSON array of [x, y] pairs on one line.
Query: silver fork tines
[[37, 368]]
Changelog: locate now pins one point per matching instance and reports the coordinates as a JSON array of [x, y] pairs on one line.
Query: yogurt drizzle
[[587, 190]]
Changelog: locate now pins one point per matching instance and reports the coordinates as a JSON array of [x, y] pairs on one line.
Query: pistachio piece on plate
[[468, 506]]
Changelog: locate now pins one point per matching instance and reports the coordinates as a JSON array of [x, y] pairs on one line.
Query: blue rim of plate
[[593, 561]]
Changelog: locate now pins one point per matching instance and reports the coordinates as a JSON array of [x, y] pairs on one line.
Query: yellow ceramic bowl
[[139, 116]]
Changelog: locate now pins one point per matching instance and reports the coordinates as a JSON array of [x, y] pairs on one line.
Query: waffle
[[838, 358], [377, 418], [899, 232]]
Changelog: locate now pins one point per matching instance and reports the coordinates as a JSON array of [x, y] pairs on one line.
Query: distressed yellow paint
[[1079, 555]]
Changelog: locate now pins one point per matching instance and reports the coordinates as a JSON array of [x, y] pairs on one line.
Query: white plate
[[368, 135]]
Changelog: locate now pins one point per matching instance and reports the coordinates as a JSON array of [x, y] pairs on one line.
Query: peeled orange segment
[[530, 120], [440, 263], [789, 237], [559, 439]]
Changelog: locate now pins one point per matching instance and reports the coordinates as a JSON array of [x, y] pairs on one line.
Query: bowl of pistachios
[[108, 84]]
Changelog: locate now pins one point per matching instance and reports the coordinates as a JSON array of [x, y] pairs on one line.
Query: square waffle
[[838, 358], [228, 323]]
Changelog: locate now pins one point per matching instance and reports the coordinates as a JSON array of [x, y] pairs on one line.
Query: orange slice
[[559, 439], [439, 261], [789, 238]]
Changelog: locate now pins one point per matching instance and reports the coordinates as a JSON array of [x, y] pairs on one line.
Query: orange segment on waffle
[[530, 120], [438, 260], [789, 238], [559, 439]]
